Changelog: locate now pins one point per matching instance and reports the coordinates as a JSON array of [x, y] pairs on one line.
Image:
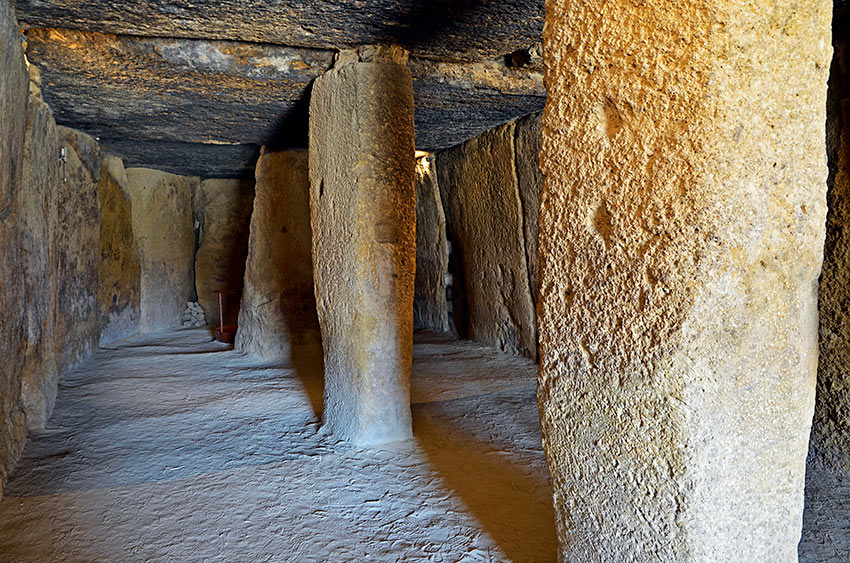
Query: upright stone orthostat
[[492, 297], [277, 317], [223, 217], [681, 238], [120, 272], [362, 207], [430, 308], [165, 235]]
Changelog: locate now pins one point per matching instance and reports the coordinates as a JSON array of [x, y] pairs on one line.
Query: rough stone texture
[[681, 237], [277, 318], [447, 29], [120, 272], [223, 216], [830, 442], [529, 181], [430, 309], [191, 159], [257, 93], [13, 116], [362, 203], [78, 251], [39, 198], [165, 235], [492, 301]]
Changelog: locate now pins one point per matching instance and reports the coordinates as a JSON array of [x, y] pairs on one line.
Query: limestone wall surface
[[681, 238], [78, 250], [163, 225], [830, 441], [277, 317], [39, 196], [222, 211], [14, 89], [490, 193], [430, 309], [51, 232], [119, 293]]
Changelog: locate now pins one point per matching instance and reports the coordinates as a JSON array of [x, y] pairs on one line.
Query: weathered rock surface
[[39, 221], [78, 250], [447, 30], [190, 159], [682, 227], [223, 216], [120, 272], [257, 93], [830, 441], [492, 301], [165, 235], [277, 318], [529, 182], [13, 115], [362, 201], [430, 309]]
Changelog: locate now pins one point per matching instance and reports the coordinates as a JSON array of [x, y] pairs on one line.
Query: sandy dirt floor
[[172, 448]]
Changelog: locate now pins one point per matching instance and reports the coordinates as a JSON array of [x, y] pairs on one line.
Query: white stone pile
[[194, 315]]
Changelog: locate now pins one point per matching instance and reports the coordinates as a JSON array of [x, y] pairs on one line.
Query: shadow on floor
[[512, 502]]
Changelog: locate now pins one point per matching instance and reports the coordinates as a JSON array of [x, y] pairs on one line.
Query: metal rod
[[221, 312]]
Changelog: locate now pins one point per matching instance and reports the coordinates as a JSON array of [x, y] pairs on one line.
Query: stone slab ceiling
[[196, 88]]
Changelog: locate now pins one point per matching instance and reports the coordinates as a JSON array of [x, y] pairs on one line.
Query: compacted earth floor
[[173, 448]]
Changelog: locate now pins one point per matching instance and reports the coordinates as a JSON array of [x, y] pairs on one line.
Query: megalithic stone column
[[681, 237], [362, 205]]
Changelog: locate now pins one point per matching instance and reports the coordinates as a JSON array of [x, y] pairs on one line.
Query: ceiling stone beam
[[442, 29], [188, 159], [135, 90]]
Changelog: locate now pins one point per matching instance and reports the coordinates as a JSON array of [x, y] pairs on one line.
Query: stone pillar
[[362, 207], [681, 238]]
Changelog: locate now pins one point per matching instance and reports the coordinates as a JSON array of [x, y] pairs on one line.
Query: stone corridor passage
[[173, 448]]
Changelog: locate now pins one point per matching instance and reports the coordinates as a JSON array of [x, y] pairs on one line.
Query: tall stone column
[[363, 217], [681, 238]]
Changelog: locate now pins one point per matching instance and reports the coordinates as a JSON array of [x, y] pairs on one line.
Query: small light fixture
[[63, 158]]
